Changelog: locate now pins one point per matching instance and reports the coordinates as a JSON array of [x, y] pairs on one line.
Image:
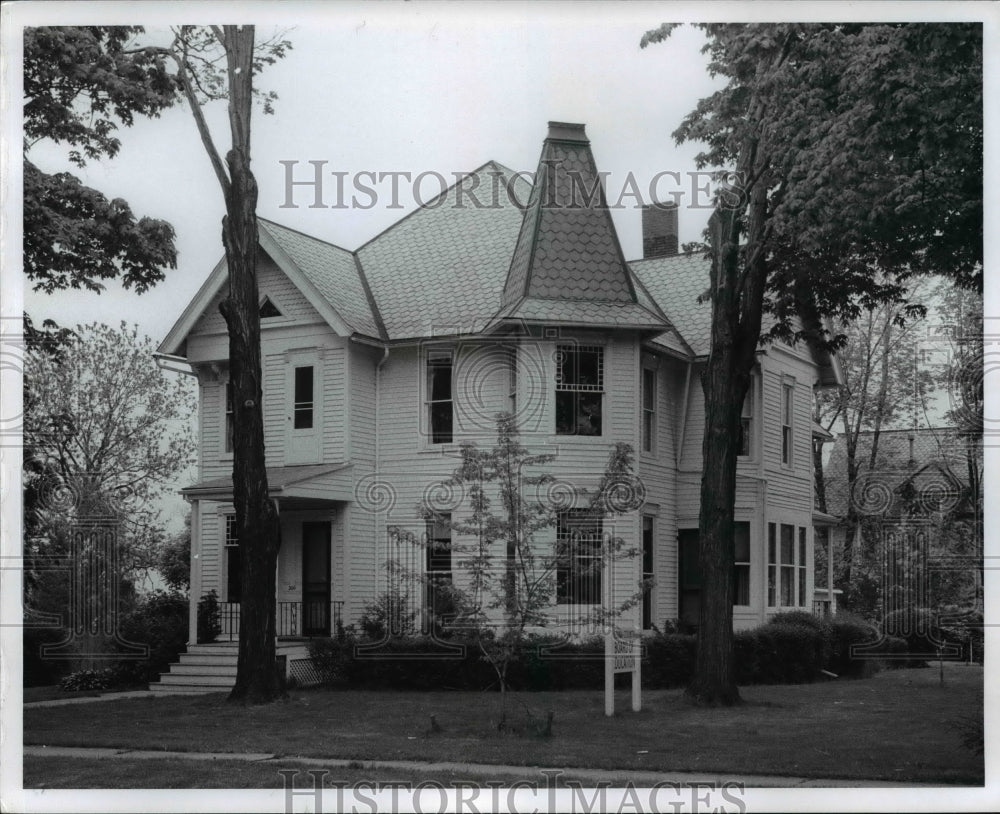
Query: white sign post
[[622, 651]]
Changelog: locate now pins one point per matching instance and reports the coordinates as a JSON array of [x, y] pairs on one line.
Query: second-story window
[[440, 407], [648, 410], [787, 404], [229, 418], [579, 389], [304, 403], [745, 446]]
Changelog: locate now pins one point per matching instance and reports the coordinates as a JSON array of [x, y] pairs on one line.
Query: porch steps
[[211, 667]]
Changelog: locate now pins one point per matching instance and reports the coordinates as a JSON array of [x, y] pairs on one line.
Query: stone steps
[[211, 667]]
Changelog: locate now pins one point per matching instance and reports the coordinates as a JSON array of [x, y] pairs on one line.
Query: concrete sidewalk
[[537, 774], [108, 696]]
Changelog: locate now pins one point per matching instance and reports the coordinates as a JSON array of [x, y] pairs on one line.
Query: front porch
[[313, 504], [293, 620]]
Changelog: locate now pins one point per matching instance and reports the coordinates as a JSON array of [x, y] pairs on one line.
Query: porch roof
[[318, 481]]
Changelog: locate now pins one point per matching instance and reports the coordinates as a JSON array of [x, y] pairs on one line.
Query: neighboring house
[[917, 524], [379, 362]]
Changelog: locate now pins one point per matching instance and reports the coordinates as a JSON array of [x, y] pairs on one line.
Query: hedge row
[[958, 630], [792, 648]]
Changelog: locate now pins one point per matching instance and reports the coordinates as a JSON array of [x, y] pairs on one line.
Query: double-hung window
[[741, 563], [648, 410], [578, 546], [438, 565], [579, 389], [304, 398], [745, 446], [786, 566], [229, 425], [787, 405], [647, 571], [440, 407]]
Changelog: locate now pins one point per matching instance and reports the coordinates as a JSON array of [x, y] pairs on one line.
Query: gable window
[[786, 567], [648, 409], [578, 549], [579, 389], [304, 404], [437, 566], [787, 403], [229, 425], [268, 309], [233, 560], [440, 407], [745, 446]]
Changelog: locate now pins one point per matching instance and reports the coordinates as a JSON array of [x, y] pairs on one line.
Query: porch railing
[[299, 619]]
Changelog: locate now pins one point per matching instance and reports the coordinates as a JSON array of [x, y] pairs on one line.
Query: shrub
[[331, 659], [388, 615], [89, 680], [669, 660], [926, 630], [209, 621], [38, 670], [159, 620], [964, 627], [852, 631], [780, 652], [423, 663]]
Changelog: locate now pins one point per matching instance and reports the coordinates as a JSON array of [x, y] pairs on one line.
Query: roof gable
[[324, 274], [903, 457]]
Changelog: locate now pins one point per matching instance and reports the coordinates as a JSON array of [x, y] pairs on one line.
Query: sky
[[417, 89]]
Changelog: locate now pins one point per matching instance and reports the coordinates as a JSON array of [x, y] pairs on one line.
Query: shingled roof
[[902, 455], [546, 253], [675, 283], [334, 273], [440, 270]]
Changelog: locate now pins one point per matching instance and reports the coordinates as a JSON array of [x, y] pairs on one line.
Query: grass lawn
[[899, 726]]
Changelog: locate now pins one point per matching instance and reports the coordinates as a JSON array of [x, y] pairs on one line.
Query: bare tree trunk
[[257, 680], [725, 381]]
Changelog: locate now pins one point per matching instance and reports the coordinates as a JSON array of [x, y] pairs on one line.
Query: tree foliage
[[173, 560], [849, 149], [80, 84], [105, 428]]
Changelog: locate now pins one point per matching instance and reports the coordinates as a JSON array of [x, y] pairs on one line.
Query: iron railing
[[298, 619]]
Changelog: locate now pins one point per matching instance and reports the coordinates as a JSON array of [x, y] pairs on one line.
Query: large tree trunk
[[257, 680], [736, 322]]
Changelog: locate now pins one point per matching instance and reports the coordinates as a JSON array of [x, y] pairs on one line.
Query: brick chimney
[[659, 230]]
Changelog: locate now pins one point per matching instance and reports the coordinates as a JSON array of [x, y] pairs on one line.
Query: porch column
[[194, 593]]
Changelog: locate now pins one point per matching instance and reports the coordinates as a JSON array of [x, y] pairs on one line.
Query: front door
[[316, 579]]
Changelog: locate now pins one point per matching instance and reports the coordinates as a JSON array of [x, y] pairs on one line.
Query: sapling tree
[[512, 574]]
